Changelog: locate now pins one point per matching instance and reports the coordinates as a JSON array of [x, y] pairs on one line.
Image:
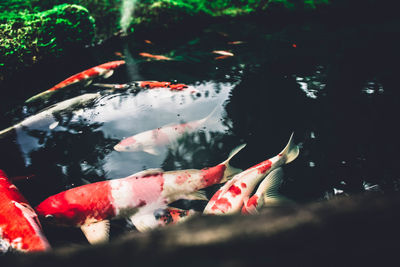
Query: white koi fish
[[230, 197], [149, 141]]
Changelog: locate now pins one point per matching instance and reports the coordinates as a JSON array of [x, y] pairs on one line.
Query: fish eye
[[49, 217]]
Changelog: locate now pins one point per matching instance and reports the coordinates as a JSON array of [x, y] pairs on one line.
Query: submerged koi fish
[[223, 53], [230, 197], [19, 225], [46, 116], [145, 221], [145, 85], [149, 141], [91, 206], [156, 57], [105, 70]]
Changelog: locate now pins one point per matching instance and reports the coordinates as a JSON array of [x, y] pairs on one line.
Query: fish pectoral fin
[[272, 183], [54, 125], [108, 74], [151, 150], [144, 221], [198, 195], [97, 232], [88, 82], [249, 209]]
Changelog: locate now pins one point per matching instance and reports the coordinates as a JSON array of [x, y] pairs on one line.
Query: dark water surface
[[335, 87]]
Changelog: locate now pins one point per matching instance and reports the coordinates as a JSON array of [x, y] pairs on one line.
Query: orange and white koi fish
[[145, 221], [105, 70], [230, 197], [156, 57], [145, 85], [91, 206], [150, 141], [19, 225]]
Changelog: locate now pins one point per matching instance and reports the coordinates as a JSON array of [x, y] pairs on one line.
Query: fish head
[[56, 210], [129, 144]]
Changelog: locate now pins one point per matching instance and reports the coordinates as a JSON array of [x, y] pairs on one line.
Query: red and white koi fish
[[267, 193], [91, 206], [230, 197], [149, 141], [145, 221], [223, 53], [105, 70], [19, 225], [145, 85], [156, 57]]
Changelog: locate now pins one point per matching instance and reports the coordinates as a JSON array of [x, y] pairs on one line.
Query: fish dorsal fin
[[148, 172], [108, 74], [198, 195], [97, 232]]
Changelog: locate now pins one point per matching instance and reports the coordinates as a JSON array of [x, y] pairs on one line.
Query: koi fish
[[267, 192], [230, 197], [223, 53], [145, 85], [19, 225], [149, 141], [105, 70], [46, 116], [147, 221], [91, 206], [156, 57]]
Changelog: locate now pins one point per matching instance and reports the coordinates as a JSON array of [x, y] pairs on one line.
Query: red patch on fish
[[180, 179], [252, 201], [18, 221], [234, 190], [213, 175], [222, 57], [178, 87], [243, 185], [215, 196], [128, 141], [222, 205], [151, 84], [263, 166]]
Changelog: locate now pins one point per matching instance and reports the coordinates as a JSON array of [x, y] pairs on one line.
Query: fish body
[[46, 116], [230, 197], [19, 225], [160, 218], [142, 192], [223, 53], [105, 70], [150, 140], [145, 85], [156, 57]]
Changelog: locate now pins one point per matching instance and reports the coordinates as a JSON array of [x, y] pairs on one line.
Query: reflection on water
[[338, 96]]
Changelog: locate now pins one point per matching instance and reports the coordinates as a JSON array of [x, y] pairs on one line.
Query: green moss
[[27, 37]]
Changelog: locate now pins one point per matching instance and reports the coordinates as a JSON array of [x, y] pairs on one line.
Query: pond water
[[335, 88]]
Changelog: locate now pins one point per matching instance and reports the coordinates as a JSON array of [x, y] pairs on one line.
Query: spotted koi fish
[[145, 221], [19, 225], [149, 141], [230, 197], [91, 206], [105, 70], [145, 85]]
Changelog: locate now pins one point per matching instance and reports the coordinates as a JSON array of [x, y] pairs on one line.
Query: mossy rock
[[26, 38]]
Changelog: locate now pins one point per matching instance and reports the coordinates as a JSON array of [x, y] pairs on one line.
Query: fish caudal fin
[[97, 232], [290, 152], [230, 171]]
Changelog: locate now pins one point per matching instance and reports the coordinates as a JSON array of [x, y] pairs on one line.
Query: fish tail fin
[[205, 119], [290, 152], [230, 171]]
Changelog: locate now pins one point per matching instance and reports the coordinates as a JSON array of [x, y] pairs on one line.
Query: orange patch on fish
[[156, 57]]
